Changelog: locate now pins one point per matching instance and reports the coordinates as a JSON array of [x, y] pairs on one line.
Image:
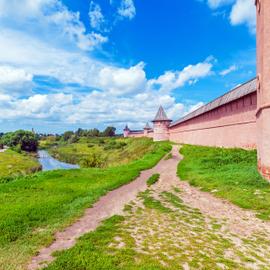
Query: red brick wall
[[230, 125], [136, 135], [263, 69]]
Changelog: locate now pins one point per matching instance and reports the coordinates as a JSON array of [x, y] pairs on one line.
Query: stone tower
[[146, 129], [161, 126], [263, 86], [126, 131]]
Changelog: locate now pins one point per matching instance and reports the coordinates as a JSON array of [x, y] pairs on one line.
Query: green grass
[[13, 164], [33, 208], [152, 203], [228, 173], [153, 179], [102, 152]]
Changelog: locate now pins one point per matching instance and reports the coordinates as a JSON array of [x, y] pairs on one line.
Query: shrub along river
[[49, 163]]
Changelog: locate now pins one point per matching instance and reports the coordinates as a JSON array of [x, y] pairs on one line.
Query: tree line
[[70, 135], [22, 140]]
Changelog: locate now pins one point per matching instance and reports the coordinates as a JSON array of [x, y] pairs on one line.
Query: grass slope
[[229, 173], [34, 207], [102, 152], [13, 164]]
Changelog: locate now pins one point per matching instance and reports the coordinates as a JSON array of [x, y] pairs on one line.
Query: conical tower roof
[[161, 115], [147, 126]]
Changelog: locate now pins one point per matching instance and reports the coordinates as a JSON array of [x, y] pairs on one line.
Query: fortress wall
[[230, 125], [140, 134], [136, 135]]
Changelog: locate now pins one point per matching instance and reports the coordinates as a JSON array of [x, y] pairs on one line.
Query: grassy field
[[101, 152], [32, 208], [13, 164], [228, 173]]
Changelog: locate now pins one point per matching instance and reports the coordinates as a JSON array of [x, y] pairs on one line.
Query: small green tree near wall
[[20, 140]]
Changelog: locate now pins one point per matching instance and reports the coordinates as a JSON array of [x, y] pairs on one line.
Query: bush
[[93, 160], [90, 145]]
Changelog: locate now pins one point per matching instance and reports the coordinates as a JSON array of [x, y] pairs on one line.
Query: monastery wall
[[136, 135], [141, 134], [230, 125]]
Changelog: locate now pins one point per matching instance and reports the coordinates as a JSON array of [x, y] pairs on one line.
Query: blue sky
[[66, 64]]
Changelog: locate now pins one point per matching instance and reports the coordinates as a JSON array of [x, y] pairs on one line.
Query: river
[[49, 163]]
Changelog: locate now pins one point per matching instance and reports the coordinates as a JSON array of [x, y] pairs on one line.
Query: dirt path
[[109, 205], [199, 223], [200, 231], [239, 221]]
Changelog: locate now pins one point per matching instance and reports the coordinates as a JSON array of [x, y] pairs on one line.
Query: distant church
[[240, 118]]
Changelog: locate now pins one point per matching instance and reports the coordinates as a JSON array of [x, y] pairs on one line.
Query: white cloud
[[228, 70], [96, 107], [42, 58], [171, 80], [35, 107], [121, 81], [52, 18], [4, 98], [95, 15], [218, 3], [244, 12], [100, 108], [10, 75], [127, 9]]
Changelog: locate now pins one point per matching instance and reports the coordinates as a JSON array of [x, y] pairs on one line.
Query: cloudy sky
[[66, 64]]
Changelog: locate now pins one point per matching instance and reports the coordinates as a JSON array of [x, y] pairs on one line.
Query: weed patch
[[153, 179]]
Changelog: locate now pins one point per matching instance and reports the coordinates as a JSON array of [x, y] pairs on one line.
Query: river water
[[49, 163]]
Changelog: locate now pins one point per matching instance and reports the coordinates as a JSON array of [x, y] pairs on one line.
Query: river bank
[[13, 164]]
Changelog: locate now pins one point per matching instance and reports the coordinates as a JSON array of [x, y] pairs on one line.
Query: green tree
[[93, 132], [80, 132], [67, 135], [109, 132], [21, 140]]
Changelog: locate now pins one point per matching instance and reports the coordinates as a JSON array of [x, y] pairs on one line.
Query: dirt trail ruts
[[110, 204]]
